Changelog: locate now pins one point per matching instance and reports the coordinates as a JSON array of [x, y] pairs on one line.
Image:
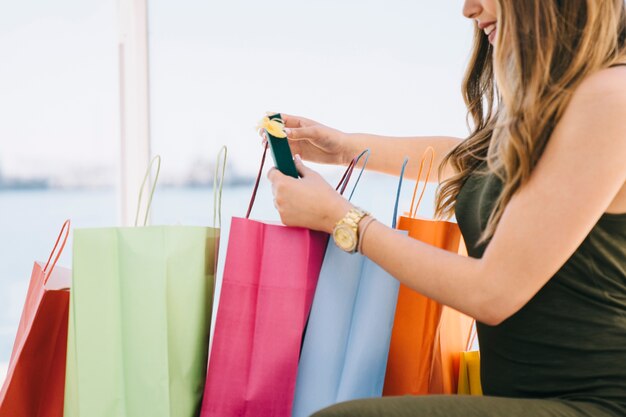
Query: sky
[[390, 67], [387, 66]]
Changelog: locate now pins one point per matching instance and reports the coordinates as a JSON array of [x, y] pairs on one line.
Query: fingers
[[295, 121], [274, 175], [277, 179], [302, 169], [302, 132], [296, 147]]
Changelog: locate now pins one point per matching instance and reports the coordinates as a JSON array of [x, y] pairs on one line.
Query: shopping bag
[[36, 375], [469, 374], [447, 349], [344, 354], [444, 374], [469, 371], [414, 341], [140, 316], [270, 276]]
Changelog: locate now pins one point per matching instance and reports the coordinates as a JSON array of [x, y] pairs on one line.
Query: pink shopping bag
[[36, 376], [270, 276]]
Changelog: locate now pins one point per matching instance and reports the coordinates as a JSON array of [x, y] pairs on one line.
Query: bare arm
[[577, 179], [388, 153], [316, 142]]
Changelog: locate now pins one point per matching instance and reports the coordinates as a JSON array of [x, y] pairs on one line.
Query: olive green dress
[[563, 354]]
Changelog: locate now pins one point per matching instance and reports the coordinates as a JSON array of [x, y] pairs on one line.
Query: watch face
[[345, 238]]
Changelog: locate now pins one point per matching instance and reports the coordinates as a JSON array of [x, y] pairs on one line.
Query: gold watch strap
[[353, 217], [351, 220]]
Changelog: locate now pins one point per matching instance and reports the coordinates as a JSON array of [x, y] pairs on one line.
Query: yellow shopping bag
[[469, 371]]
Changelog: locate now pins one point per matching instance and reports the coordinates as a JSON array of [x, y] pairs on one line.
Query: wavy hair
[[517, 92]]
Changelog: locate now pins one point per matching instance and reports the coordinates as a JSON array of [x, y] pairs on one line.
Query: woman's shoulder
[[600, 98], [596, 116], [608, 84]]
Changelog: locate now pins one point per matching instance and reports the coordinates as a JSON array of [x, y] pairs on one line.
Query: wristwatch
[[346, 231]]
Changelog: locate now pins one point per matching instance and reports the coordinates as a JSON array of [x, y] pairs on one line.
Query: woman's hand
[[317, 143], [309, 201]]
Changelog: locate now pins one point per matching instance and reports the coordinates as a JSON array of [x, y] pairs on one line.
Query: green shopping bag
[[140, 314]]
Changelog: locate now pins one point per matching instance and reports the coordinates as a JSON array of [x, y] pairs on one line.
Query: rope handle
[[219, 185], [341, 187], [156, 159], [345, 179], [258, 180], [471, 338], [429, 150], [395, 206], [64, 233]]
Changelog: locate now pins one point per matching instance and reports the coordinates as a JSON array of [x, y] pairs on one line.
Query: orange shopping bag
[[427, 337], [447, 351]]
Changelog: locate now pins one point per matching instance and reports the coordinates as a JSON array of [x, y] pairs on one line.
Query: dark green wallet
[[283, 160]]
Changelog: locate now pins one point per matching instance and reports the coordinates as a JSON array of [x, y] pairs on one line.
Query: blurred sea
[[30, 222]]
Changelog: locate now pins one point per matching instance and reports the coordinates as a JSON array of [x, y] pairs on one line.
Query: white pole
[[134, 104]]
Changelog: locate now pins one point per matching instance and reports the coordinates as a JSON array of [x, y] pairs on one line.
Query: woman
[[539, 191]]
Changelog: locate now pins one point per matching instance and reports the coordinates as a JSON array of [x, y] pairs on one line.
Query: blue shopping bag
[[346, 344]]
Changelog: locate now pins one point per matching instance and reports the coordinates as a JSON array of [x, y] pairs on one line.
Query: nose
[[471, 8]]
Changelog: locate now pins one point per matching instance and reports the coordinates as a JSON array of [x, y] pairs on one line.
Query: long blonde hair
[[517, 92]]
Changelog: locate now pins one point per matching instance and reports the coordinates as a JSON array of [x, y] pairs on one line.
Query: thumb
[[302, 169], [299, 133]]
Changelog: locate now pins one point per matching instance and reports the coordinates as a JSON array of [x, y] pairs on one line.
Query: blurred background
[[390, 67]]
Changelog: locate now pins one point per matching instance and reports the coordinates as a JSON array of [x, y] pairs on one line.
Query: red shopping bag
[[270, 276], [35, 379]]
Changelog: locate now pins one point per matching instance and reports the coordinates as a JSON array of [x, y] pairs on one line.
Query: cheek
[[490, 7]]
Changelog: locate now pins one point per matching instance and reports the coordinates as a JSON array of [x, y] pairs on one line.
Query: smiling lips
[[490, 31]]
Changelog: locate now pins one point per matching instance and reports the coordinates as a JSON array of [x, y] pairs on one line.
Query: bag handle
[[345, 178], [256, 183], [395, 206], [218, 186], [429, 150], [471, 338], [156, 159], [342, 183], [64, 233]]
